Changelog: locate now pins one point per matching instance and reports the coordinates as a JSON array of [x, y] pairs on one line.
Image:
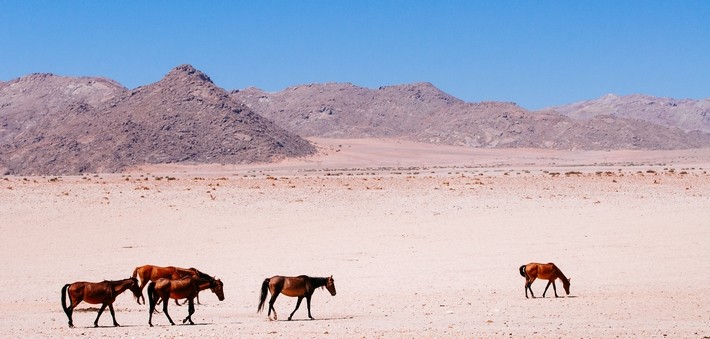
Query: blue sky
[[533, 53]]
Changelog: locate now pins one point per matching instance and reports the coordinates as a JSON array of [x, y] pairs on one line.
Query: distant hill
[[421, 112], [182, 118], [63, 125], [686, 114]]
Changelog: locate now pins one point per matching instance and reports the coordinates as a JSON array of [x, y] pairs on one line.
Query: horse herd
[[165, 283]]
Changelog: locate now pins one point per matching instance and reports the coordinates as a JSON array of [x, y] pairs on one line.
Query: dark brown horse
[[187, 287], [302, 287], [104, 293], [148, 273], [548, 272]]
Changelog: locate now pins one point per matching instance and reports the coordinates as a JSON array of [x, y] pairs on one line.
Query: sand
[[423, 241]]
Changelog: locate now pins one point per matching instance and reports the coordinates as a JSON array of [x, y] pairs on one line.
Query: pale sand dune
[[423, 241]]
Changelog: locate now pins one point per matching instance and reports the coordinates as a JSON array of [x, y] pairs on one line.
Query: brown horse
[[148, 273], [104, 293], [301, 286], [187, 287], [548, 271]]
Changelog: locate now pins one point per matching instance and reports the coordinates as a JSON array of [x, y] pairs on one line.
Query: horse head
[[330, 285], [136, 289], [566, 284], [217, 287]]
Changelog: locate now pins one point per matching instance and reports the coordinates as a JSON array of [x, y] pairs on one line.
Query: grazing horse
[[104, 293], [148, 273], [301, 286], [548, 271], [187, 287]]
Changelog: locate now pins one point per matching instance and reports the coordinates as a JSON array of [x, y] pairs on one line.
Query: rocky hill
[[421, 112], [183, 118], [686, 114], [61, 125], [345, 110], [27, 100]]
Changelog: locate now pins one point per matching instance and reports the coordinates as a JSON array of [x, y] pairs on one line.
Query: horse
[[148, 273], [104, 293], [548, 271], [186, 287], [301, 286]]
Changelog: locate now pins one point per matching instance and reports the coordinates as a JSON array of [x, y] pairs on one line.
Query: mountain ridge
[[686, 114], [51, 124], [183, 118], [421, 112]]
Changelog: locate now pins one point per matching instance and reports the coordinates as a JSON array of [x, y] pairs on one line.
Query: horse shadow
[[177, 324], [107, 326], [317, 319]]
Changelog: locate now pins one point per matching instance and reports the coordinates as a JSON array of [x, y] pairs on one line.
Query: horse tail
[[522, 271], [64, 298], [152, 297], [264, 290]]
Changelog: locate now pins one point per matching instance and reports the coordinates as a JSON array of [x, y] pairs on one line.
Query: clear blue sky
[[534, 53]]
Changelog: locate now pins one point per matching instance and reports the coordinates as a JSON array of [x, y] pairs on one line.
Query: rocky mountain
[[182, 118], [61, 125], [686, 114], [26, 100], [345, 110], [421, 112]]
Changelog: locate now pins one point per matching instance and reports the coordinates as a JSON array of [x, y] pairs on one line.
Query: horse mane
[[319, 282], [561, 275], [204, 275], [114, 282]]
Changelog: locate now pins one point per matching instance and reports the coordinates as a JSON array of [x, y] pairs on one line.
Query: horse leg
[[190, 311], [554, 288], [298, 303], [165, 310], [549, 282], [308, 303], [150, 315], [113, 314], [271, 304], [101, 310], [70, 310], [151, 308], [528, 286]]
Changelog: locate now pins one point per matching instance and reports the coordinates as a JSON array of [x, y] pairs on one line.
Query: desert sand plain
[[422, 240]]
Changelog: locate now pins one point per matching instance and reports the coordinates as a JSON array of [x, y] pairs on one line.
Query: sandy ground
[[423, 241]]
